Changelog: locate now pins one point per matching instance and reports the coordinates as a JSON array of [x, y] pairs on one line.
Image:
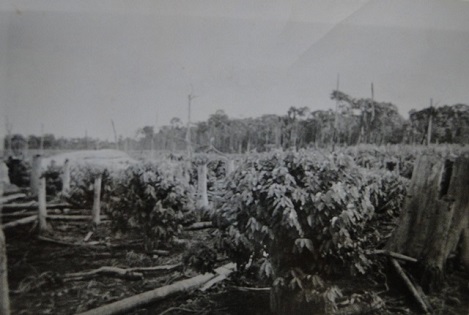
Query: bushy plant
[[149, 199], [304, 215], [82, 179]]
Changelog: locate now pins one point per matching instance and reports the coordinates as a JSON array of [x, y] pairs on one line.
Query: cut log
[[23, 221], [32, 205], [73, 217], [155, 268], [6, 199], [105, 270], [135, 273], [392, 254], [65, 243], [128, 304], [212, 282], [423, 305], [199, 226], [250, 289]]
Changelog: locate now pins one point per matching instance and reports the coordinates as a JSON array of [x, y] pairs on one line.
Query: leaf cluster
[[149, 199]]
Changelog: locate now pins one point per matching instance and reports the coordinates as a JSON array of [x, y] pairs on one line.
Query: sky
[[70, 67]]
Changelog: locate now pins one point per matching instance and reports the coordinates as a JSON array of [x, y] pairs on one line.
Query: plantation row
[[302, 221]]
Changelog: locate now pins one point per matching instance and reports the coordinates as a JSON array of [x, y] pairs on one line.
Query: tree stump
[[4, 292], [96, 210], [435, 214], [35, 174]]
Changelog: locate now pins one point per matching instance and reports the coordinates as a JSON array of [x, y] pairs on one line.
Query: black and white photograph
[[234, 157]]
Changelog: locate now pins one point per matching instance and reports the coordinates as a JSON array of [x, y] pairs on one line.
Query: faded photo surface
[[234, 157]]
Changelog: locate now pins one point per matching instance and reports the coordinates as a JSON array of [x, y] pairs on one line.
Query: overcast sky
[[75, 65]]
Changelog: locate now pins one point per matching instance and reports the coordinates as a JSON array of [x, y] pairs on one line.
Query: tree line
[[353, 121]]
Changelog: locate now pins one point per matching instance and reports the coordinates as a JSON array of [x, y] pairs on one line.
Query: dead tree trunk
[[435, 215], [35, 174], [97, 201]]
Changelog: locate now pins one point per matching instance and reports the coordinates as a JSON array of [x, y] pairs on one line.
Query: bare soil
[[36, 269]]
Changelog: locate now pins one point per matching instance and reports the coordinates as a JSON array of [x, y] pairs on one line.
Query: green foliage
[[305, 211], [53, 179], [82, 180], [149, 199], [19, 171], [200, 257]]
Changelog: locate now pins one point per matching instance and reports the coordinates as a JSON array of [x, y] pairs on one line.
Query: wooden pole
[[97, 201], [66, 177], [4, 292], [42, 213], [42, 140], [115, 134], [334, 138], [35, 174]]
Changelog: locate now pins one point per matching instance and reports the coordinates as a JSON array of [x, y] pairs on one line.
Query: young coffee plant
[[304, 215], [82, 186], [148, 199]]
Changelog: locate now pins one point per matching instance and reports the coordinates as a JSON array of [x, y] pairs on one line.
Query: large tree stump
[[436, 213]]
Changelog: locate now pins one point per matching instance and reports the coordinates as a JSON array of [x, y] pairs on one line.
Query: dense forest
[[354, 121]]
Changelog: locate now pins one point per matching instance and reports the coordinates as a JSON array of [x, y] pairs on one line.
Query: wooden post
[[42, 213], [66, 177], [35, 174], [202, 185], [97, 200], [4, 292]]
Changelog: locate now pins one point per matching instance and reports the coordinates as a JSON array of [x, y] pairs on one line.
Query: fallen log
[[155, 268], [32, 205], [199, 226], [73, 217], [11, 198], [139, 300], [423, 305], [23, 221], [65, 243], [107, 271], [212, 282], [252, 289], [392, 255]]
